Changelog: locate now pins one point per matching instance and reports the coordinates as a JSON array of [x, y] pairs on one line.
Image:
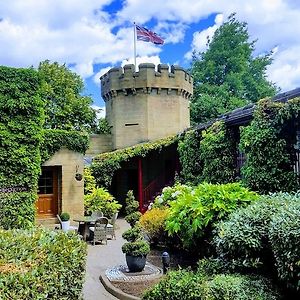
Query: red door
[[47, 203]]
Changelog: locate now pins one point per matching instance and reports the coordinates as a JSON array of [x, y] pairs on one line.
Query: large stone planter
[[135, 263]]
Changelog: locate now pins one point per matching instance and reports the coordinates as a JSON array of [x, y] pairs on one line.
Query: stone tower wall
[[146, 105]]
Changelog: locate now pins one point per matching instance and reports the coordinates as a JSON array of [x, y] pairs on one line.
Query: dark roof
[[243, 115]]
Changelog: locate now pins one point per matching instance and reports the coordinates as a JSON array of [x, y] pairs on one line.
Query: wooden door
[[47, 203]]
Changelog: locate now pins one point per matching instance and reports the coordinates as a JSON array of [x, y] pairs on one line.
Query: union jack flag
[[144, 34]]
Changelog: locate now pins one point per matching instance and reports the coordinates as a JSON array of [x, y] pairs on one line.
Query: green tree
[[65, 107], [228, 75]]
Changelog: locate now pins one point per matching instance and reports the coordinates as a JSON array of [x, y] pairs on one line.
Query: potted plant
[[136, 249], [65, 221]]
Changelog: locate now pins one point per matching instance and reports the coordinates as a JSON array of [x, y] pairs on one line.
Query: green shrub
[[187, 285], [89, 181], [101, 200], [284, 234], [195, 210], [131, 208], [137, 248], [237, 287], [243, 238], [65, 216], [153, 223], [41, 264], [131, 204], [180, 284], [133, 234], [133, 218]]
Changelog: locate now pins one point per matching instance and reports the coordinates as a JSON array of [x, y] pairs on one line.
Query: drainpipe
[[140, 183]]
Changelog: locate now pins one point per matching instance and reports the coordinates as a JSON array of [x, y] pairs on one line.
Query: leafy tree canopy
[[227, 75], [65, 107]]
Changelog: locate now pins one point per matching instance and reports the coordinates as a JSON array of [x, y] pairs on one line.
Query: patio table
[[84, 224]]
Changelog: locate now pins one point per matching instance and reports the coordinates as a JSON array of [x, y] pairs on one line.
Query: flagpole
[[134, 45]]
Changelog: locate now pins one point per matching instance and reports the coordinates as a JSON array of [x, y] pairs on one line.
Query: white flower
[[175, 194], [160, 200]]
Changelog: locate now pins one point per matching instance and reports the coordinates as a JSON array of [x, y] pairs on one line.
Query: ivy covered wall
[[25, 145], [218, 149], [21, 122], [189, 156], [268, 143]]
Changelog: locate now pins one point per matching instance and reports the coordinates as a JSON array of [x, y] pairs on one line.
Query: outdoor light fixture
[[165, 261], [78, 176]]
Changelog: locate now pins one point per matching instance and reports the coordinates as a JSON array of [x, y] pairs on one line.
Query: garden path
[[100, 257]]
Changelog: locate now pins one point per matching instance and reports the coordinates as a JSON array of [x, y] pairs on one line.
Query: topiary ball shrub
[[64, 216], [136, 248], [133, 218], [133, 234], [41, 264]]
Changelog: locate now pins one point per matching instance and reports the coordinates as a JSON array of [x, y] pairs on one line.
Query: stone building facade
[[146, 105]]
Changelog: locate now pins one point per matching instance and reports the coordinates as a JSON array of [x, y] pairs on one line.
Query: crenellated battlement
[[126, 81]]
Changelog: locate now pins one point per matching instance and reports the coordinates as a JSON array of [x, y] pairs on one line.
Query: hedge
[[41, 264], [187, 285], [284, 234], [54, 139], [21, 122], [264, 237]]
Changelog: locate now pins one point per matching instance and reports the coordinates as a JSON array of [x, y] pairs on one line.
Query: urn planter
[[136, 263]]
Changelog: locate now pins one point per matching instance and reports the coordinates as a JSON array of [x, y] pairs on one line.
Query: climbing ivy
[[218, 153], [54, 139], [106, 164], [21, 122], [189, 156], [268, 144]]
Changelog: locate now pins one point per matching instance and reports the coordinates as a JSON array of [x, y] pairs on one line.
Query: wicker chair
[[97, 214], [111, 226], [99, 232]]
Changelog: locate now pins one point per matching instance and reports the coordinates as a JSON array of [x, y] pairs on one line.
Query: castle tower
[[146, 105]]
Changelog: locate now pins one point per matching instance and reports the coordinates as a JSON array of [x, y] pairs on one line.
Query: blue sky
[[91, 36]]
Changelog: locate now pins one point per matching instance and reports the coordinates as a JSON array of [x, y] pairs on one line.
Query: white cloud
[[200, 39], [142, 59], [171, 32], [84, 69], [97, 76], [285, 70], [100, 111], [82, 34]]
